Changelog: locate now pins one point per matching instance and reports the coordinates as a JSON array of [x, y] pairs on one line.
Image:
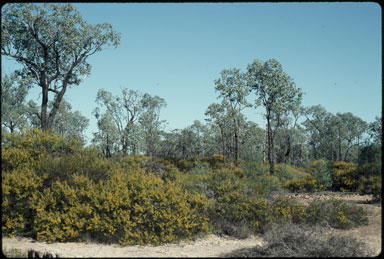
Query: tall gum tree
[[52, 43], [276, 92], [232, 87]]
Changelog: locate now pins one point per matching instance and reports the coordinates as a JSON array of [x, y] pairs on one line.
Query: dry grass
[[304, 241]]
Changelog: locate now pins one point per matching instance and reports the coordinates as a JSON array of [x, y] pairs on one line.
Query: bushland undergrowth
[[56, 190]]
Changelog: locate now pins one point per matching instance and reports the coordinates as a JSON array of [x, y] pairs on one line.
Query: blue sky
[[177, 50]]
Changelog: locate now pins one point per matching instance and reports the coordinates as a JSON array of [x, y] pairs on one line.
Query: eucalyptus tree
[[13, 106], [124, 112], [70, 123], [150, 123], [276, 92], [169, 144], [107, 138], [371, 151], [287, 134], [350, 132], [52, 42], [232, 88], [252, 142], [321, 127], [218, 117], [67, 123], [375, 130]]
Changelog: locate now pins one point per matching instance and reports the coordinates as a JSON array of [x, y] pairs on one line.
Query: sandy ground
[[210, 246]]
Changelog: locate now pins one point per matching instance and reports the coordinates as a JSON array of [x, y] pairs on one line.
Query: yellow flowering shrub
[[158, 211], [30, 148], [239, 172], [131, 207], [36, 141], [345, 176], [288, 210], [371, 185], [305, 184], [216, 161], [17, 188]]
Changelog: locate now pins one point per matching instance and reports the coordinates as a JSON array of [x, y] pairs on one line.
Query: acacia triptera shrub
[[131, 207], [36, 142], [286, 210], [304, 184], [18, 186], [37, 150], [215, 161], [345, 176], [370, 180]]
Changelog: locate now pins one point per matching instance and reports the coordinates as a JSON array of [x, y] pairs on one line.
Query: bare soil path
[[210, 246]]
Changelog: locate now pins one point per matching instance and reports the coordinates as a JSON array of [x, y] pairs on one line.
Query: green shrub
[[337, 213], [185, 165], [322, 174], [201, 168], [87, 161], [287, 172], [232, 211], [260, 183]]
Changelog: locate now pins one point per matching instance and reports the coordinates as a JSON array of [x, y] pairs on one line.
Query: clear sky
[[177, 50]]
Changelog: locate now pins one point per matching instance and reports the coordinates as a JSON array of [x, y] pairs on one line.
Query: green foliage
[[231, 211], [87, 161], [13, 107], [262, 185], [52, 41], [201, 168], [63, 192], [288, 172], [322, 174]]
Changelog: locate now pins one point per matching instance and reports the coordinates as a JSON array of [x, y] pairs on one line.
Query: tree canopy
[[52, 42]]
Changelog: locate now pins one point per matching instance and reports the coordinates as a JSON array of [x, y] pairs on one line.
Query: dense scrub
[[55, 190]]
